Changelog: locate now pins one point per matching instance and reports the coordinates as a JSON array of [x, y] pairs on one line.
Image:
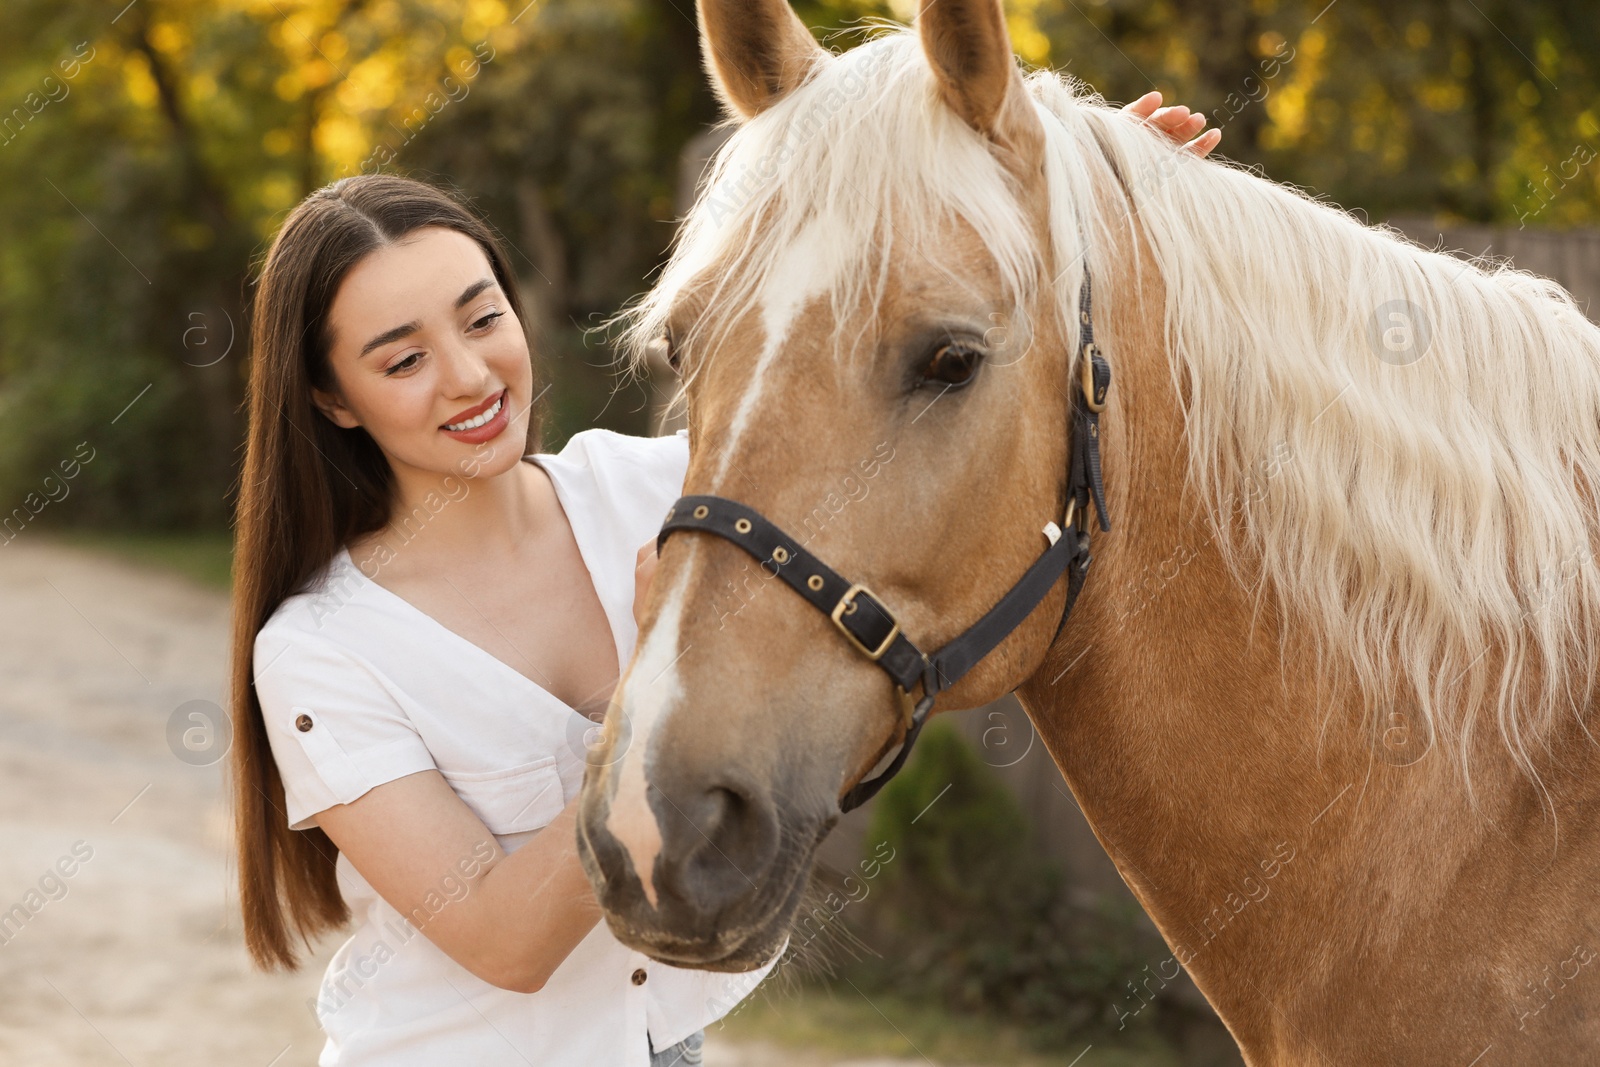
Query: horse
[[1325, 697]]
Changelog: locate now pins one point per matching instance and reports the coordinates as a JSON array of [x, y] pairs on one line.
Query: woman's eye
[[952, 364], [487, 321], [404, 364]]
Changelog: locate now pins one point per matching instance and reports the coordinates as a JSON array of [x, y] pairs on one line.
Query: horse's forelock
[[867, 152]]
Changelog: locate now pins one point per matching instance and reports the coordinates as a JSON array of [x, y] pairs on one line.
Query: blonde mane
[[1432, 518]]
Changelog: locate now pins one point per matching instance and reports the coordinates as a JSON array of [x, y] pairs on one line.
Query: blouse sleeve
[[641, 479], [335, 724]]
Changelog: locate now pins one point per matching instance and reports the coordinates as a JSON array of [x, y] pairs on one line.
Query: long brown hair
[[308, 488]]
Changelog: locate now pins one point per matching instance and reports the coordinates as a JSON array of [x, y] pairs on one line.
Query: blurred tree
[[147, 152], [188, 128], [575, 159], [1392, 106]]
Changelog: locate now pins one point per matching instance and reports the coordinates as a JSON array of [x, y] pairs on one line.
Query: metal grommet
[[743, 526], [303, 723], [701, 512], [780, 555], [815, 582]]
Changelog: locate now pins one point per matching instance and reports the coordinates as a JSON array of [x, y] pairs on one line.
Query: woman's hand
[[644, 573], [1177, 122]]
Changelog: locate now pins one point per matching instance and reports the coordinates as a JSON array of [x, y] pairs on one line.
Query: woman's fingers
[[1145, 106], [1172, 119], [1202, 145], [1190, 127], [1177, 122]]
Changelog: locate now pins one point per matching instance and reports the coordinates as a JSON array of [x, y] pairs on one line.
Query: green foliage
[[970, 915], [1470, 109], [146, 183], [147, 152], [204, 558], [840, 1025]]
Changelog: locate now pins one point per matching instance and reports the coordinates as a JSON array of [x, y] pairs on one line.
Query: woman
[[427, 615]]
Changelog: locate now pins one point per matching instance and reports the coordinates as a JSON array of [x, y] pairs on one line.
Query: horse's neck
[[1303, 874]]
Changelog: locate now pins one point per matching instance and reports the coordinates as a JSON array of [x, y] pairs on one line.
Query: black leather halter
[[866, 621]]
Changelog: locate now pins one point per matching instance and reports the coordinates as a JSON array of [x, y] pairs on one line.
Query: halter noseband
[[864, 619]]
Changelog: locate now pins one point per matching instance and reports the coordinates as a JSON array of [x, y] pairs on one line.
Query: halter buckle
[[908, 707], [1094, 403], [848, 601]]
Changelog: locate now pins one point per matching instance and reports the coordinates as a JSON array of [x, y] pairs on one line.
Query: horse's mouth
[[744, 951], [739, 942]]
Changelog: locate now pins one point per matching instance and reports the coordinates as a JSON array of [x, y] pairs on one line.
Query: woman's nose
[[462, 372]]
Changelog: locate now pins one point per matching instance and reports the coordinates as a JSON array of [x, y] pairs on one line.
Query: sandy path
[[136, 958], [140, 961]]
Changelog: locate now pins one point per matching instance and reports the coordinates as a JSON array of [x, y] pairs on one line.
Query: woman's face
[[428, 357]]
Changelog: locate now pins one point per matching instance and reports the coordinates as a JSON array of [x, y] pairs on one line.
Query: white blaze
[[653, 690], [808, 268]]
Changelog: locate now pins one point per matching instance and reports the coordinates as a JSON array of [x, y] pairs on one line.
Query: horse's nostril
[[729, 805], [716, 848]]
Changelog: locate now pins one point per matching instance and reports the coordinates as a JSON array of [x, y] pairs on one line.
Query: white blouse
[[359, 687]]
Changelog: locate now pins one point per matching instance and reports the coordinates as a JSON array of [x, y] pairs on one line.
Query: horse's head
[[864, 306]]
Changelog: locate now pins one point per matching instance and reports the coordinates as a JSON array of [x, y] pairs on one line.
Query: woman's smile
[[428, 350], [481, 422]]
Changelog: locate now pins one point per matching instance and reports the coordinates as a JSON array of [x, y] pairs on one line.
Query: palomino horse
[[1324, 696]]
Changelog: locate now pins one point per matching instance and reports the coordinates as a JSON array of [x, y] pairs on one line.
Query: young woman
[[428, 615]]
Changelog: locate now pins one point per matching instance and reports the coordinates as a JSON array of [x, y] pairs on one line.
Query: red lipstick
[[488, 430]]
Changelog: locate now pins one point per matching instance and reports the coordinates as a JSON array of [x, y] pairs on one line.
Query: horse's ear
[[970, 52], [756, 51]]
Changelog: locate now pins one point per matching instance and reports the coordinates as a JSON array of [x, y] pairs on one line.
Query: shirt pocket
[[513, 800]]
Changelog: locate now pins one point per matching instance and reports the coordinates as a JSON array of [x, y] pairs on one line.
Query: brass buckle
[[908, 707], [838, 613], [1086, 376]]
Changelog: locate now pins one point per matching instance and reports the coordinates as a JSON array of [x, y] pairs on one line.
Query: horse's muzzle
[[724, 889]]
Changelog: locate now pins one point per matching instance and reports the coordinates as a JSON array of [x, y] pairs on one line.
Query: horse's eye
[[663, 348], [953, 364]]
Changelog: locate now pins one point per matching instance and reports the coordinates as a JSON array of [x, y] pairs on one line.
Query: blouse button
[[639, 976], [303, 723]]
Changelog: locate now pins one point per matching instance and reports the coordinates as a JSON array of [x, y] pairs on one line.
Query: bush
[[970, 915]]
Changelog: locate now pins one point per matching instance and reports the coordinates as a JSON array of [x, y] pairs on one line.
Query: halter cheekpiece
[[863, 618]]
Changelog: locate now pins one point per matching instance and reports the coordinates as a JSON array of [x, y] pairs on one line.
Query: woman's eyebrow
[[404, 330], [473, 290], [409, 328]]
